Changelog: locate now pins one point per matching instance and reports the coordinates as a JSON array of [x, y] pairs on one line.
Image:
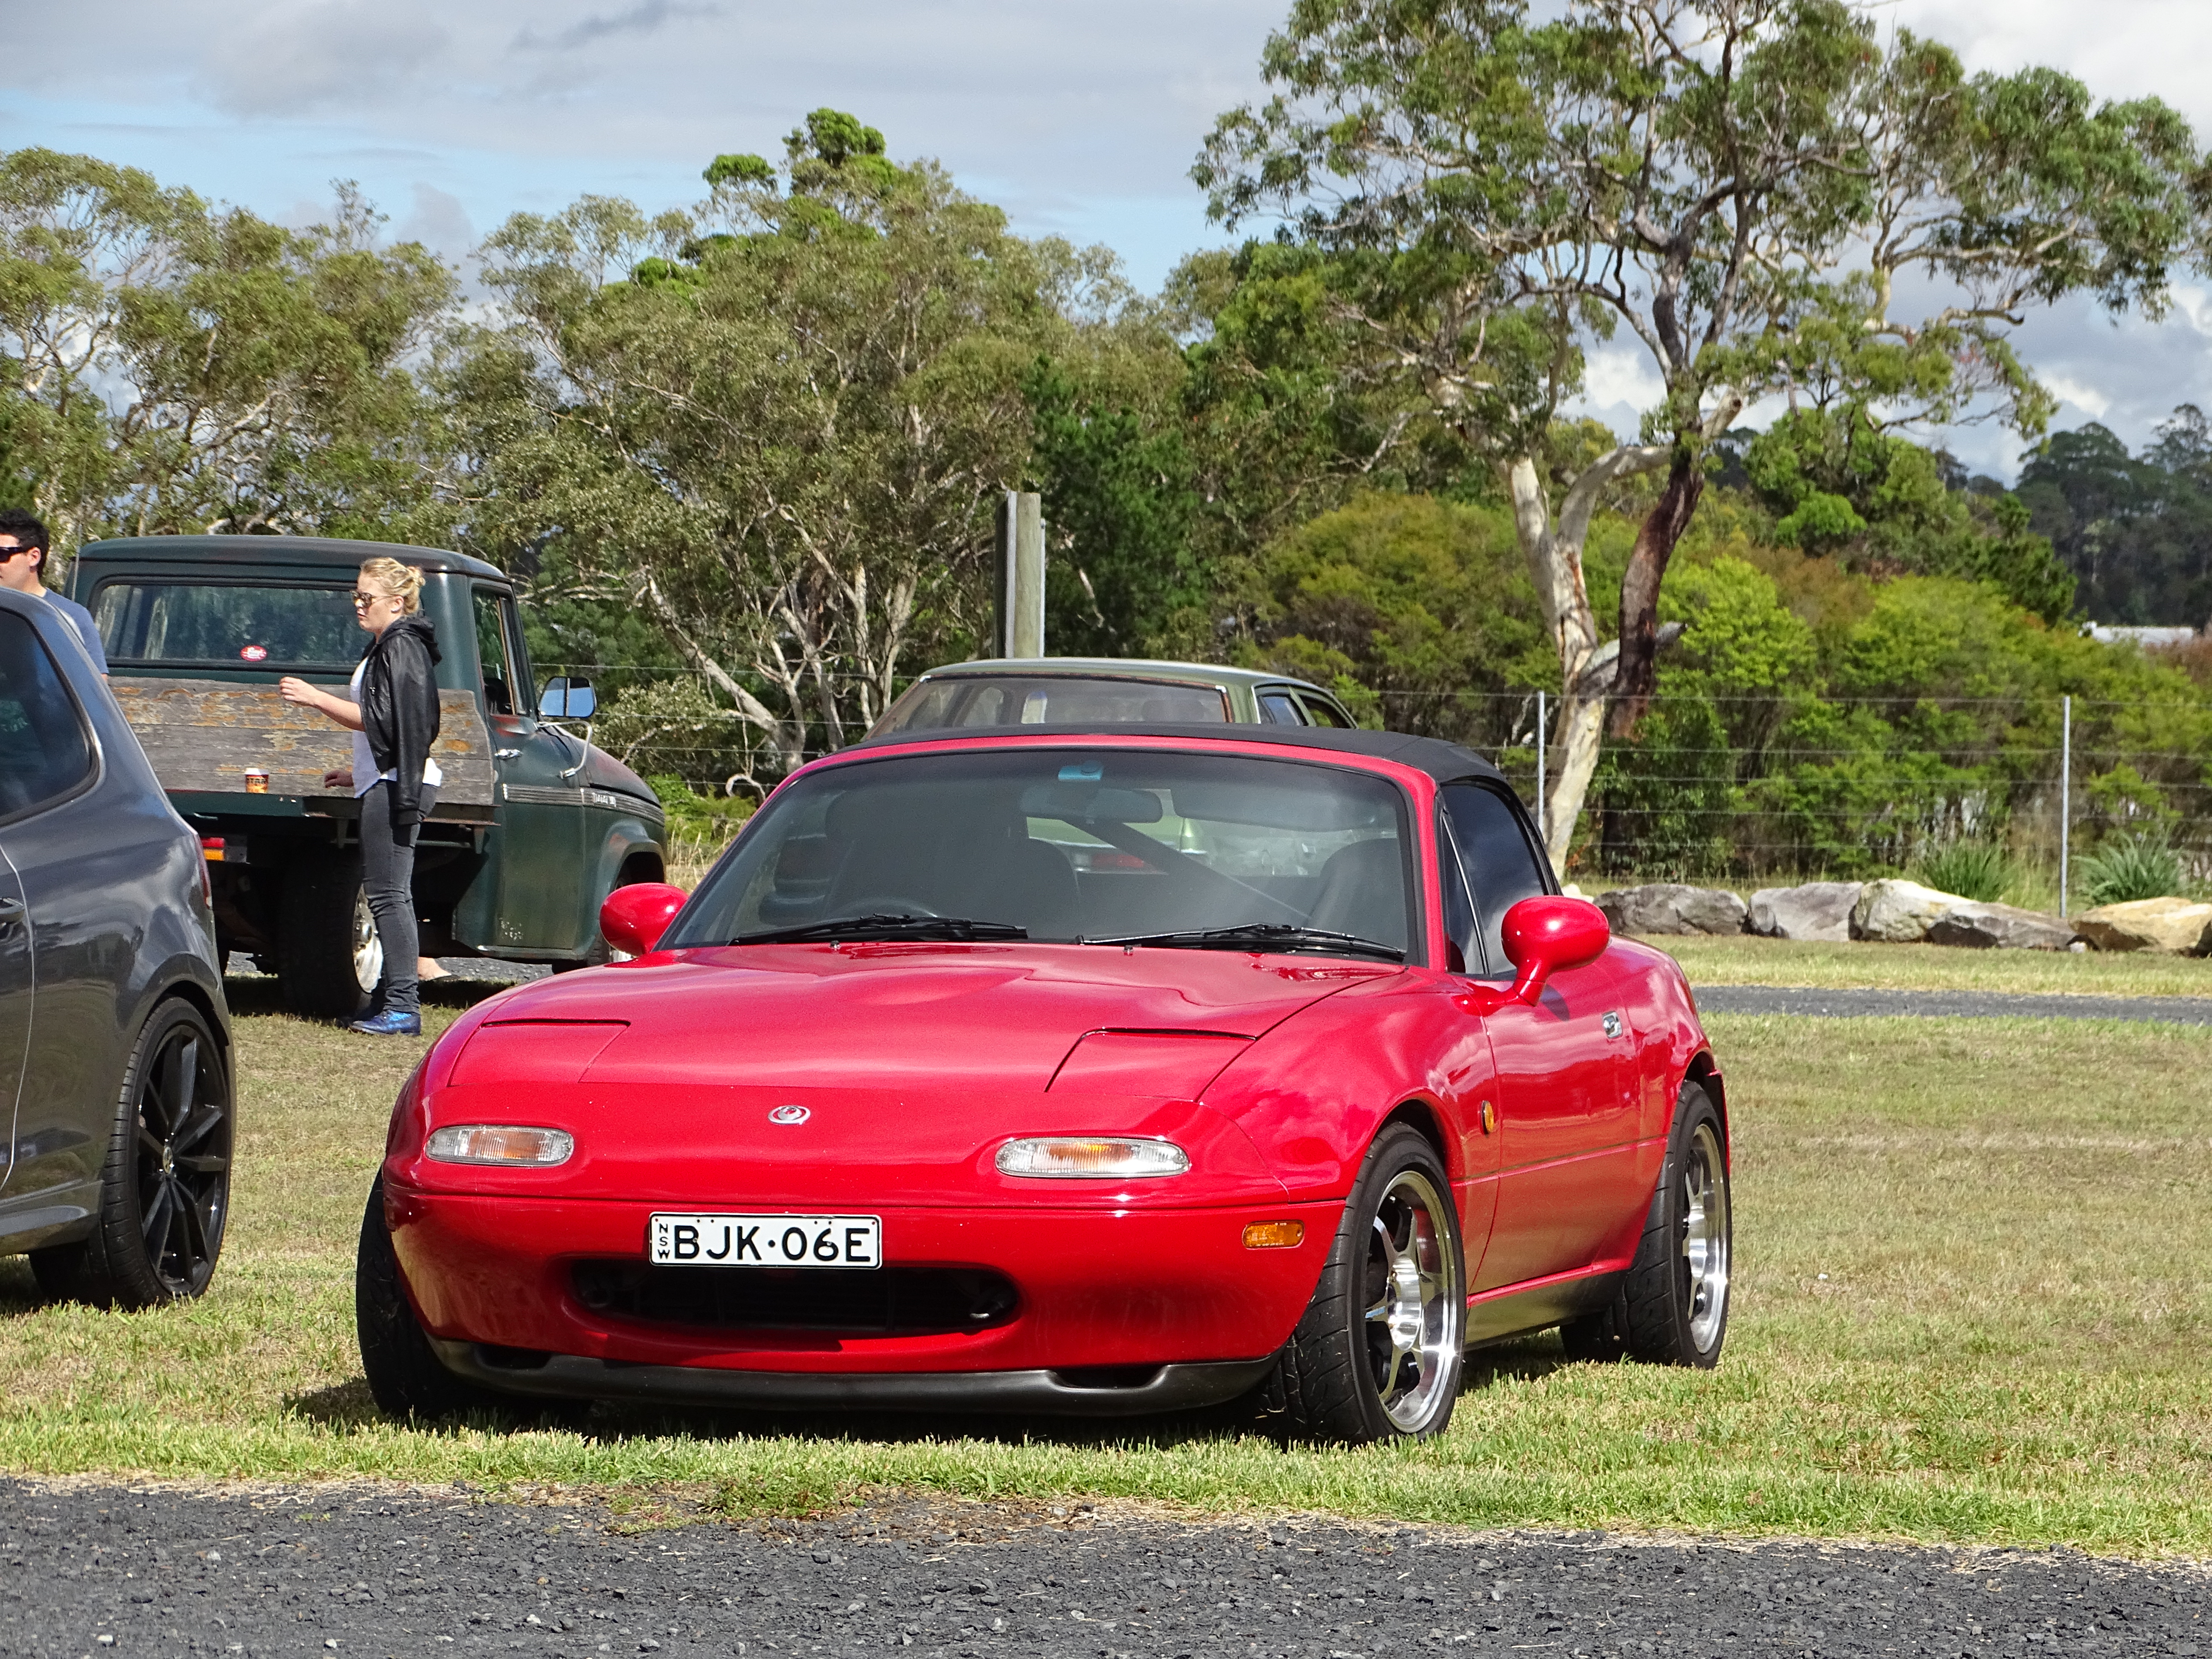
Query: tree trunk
[[1656, 538], [1554, 552], [1574, 762]]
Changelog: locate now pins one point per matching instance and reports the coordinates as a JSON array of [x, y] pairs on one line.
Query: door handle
[[11, 912]]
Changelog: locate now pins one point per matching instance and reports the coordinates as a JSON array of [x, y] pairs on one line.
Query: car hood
[[896, 1015]]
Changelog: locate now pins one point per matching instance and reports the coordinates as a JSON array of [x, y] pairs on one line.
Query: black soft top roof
[[1440, 760], [279, 550]]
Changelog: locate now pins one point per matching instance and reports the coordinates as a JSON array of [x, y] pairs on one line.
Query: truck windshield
[[958, 700], [227, 624], [1068, 844]]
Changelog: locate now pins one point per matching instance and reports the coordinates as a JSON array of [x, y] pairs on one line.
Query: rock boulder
[[1819, 910], [2174, 926], [1999, 927], [1666, 906], [1899, 912]]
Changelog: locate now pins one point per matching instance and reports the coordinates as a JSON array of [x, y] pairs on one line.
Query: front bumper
[[1131, 1393], [1097, 1288]]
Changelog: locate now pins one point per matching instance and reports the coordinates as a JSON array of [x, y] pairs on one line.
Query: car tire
[[165, 1183], [1379, 1352], [405, 1378], [328, 958], [1672, 1307]]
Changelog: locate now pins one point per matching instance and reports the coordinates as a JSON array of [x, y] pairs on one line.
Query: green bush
[[2140, 867], [1972, 869]]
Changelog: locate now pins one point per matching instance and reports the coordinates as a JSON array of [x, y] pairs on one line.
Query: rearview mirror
[[634, 918], [567, 700], [1547, 934]]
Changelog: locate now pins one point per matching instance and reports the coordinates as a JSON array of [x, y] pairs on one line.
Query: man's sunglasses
[[8, 553]]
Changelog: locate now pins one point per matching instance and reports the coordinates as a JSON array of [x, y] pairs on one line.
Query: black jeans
[[387, 870]]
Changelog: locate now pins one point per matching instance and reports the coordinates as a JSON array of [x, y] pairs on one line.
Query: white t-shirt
[[366, 777]]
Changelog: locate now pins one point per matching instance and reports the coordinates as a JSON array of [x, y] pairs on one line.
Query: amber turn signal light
[[1274, 1235]]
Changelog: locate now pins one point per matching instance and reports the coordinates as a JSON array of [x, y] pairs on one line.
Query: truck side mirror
[[634, 918], [567, 700]]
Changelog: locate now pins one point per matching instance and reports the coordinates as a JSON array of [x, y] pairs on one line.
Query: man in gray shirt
[[22, 563]]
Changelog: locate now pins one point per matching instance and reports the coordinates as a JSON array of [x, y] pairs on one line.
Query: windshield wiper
[[1280, 935], [884, 924]]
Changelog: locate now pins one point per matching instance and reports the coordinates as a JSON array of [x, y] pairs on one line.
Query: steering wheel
[[887, 904]]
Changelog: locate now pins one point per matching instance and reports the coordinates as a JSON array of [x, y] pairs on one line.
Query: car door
[[15, 987], [73, 871], [1568, 1118], [539, 802]]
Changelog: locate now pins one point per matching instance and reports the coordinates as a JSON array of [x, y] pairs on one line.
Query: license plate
[[766, 1241]]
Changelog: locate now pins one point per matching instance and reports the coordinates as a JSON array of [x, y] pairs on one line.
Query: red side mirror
[[633, 919], [1544, 934]]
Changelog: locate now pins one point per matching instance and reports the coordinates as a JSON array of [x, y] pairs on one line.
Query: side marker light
[[1274, 1235]]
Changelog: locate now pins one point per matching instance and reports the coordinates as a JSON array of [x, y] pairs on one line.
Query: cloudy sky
[[1080, 119]]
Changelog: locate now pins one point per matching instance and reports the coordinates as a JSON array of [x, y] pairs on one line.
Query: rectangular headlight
[[1091, 1157], [500, 1143]]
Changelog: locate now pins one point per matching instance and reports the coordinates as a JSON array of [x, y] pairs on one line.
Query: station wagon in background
[[1065, 691], [533, 825]]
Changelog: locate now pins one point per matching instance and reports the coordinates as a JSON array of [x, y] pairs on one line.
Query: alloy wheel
[[1706, 1235], [1414, 1307], [183, 1134]]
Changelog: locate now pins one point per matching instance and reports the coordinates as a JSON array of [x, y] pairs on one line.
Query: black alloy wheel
[[164, 1187]]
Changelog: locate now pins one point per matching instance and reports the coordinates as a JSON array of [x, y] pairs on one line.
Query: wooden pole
[[1021, 574]]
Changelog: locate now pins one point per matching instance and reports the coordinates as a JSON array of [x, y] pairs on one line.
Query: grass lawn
[[1974, 1303], [1745, 959]]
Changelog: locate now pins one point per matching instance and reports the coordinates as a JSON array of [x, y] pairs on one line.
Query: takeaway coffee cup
[[256, 781]]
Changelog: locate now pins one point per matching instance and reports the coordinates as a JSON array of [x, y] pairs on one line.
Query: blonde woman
[[393, 715]]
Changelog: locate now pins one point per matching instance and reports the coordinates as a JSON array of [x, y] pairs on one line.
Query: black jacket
[[399, 708]]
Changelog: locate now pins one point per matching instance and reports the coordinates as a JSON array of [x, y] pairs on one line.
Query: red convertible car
[[1106, 1070]]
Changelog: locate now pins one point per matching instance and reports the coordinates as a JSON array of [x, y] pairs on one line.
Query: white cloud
[[290, 59]]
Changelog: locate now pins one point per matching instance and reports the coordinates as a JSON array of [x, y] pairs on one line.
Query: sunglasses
[[362, 601], [8, 553]]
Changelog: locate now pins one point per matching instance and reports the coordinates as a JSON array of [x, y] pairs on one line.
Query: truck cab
[[533, 825]]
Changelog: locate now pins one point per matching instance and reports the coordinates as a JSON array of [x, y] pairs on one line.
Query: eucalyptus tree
[[774, 422], [166, 365], [1760, 195]]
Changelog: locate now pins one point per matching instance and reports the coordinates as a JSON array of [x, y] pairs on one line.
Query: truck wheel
[[328, 955]]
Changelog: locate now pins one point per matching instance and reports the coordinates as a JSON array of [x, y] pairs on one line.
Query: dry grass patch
[[2010, 1343]]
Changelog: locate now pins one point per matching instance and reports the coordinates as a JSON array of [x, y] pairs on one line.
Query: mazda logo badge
[[789, 1114]]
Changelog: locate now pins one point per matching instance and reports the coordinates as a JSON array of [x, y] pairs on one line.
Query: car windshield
[[958, 700], [1109, 844], [232, 624]]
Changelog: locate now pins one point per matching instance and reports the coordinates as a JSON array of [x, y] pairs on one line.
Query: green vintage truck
[[533, 824]]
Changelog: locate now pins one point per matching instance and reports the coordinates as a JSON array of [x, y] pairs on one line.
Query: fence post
[[2065, 796], [1539, 766]]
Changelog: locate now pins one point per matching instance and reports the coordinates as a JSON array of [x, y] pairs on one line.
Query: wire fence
[[1715, 787]]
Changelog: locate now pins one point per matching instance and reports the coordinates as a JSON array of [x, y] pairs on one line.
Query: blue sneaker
[[388, 1024]]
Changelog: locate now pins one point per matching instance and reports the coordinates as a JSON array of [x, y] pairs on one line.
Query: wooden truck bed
[[203, 736]]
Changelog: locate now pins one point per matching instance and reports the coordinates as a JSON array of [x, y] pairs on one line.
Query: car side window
[[1279, 707], [492, 653], [1321, 712], [1501, 864], [1465, 955], [45, 753]]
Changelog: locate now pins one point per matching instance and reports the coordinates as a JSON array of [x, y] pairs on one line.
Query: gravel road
[[93, 1568], [1973, 1004]]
